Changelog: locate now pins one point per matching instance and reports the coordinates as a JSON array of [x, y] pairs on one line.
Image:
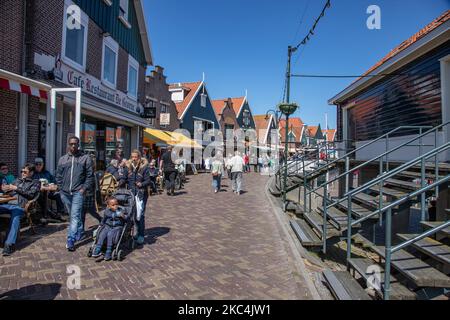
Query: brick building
[[158, 96], [105, 54]]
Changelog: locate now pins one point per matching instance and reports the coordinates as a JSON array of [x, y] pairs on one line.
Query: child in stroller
[[115, 227]]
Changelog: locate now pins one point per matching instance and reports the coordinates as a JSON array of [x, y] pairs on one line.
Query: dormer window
[[203, 100]]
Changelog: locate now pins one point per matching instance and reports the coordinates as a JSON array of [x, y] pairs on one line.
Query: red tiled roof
[[262, 123], [192, 88], [407, 43], [237, 104], [295, 125], [218, 106], [313, 130], [330, 134]]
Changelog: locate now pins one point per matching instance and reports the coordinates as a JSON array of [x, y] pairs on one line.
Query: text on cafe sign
[[94, 87]]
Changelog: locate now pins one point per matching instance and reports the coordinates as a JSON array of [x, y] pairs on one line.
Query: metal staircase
[[417, 260]]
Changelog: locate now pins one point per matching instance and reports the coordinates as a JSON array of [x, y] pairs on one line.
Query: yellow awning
[[169, 138], [183, 141]]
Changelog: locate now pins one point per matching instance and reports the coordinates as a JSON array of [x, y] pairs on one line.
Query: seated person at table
[[113, 222], [25, 189], [5, 176], [115, 169], [42, 173]]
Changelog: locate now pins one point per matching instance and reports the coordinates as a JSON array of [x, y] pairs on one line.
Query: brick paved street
[[198, 246]]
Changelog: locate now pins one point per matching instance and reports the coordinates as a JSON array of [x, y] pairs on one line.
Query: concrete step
[[408, 185], [417, 175], [357, 210], [365, 268], [315, 220], [343, 286], [416, 270], [307, 237], [337, 217], [434, 224], [432, 248], [391, 192], [368, 200]]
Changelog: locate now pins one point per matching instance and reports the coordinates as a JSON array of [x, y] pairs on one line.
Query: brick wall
[[33, 129], [9, 135], [94, 50], [11, 35], [157, 88], [122, 70]]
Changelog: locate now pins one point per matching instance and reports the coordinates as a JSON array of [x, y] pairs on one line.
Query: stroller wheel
[[120, 255], [89, 254], [114, 255]]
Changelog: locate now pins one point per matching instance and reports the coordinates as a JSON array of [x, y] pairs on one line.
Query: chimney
[[159, 69]]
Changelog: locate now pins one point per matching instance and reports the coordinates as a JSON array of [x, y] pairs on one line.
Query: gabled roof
[[138, 4], [263, 123], [330, 134], [407, 43], [219, 106], [399, 52], [192, 89], [313, 130], [295, 126], [238, 103]]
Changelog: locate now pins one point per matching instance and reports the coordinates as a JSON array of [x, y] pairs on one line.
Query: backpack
[[108, 185]]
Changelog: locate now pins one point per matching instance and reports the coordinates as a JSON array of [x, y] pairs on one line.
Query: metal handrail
[[389, 250], [390, 174], [381, 156], [372, 142]]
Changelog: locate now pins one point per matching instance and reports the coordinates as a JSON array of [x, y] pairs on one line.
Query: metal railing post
[[387, 254], [324, 232], [347, 178], [349, 231], [436, 168], [422, 196]]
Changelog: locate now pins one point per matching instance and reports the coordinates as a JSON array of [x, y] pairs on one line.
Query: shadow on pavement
[[27, 237], [33, 292], [152, 235]]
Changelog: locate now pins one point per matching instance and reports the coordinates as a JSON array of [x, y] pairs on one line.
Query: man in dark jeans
[[74, 176], [26, 189], [170, 172]]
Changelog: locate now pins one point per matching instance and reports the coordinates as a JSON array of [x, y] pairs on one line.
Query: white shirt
[[237, 164]]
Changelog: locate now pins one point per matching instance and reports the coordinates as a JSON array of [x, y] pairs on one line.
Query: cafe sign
[[94, 87]]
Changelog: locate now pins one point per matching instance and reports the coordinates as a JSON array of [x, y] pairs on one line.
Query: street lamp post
[[287, 109]]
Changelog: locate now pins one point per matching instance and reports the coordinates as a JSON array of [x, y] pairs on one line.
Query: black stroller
[[126, 239]]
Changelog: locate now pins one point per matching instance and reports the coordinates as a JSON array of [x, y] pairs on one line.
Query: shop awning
[[15, 82], [169, 138]]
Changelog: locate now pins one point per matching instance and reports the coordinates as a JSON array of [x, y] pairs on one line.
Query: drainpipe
[[22, 124]]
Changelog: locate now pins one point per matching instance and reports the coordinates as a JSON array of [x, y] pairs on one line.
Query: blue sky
[[242, 44]]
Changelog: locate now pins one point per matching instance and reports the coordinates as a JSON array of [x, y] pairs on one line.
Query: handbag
[[139, 208]]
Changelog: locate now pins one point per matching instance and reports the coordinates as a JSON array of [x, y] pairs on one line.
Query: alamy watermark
[[374, 20], [74, 277]]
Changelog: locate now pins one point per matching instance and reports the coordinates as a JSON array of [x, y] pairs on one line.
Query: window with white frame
[[109, 62], [75, 32], [133, 74], [163, 110], [123, 12]]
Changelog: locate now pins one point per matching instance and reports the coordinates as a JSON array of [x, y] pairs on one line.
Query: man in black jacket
[[138, 182], [74, 176], [26, 189]]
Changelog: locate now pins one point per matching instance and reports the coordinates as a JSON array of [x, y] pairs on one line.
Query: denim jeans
[[16, 213], [237, 181], [217, 182], [74, 206]]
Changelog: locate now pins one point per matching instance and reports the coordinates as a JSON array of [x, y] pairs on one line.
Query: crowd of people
[[74, 187]]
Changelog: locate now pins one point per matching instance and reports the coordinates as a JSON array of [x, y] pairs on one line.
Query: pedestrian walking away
[[74, 175], [217, 172], [167, 166], [138, 182], [237, 169]]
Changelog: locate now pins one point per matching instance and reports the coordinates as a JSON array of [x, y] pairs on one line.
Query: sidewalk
[[199, 245]]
